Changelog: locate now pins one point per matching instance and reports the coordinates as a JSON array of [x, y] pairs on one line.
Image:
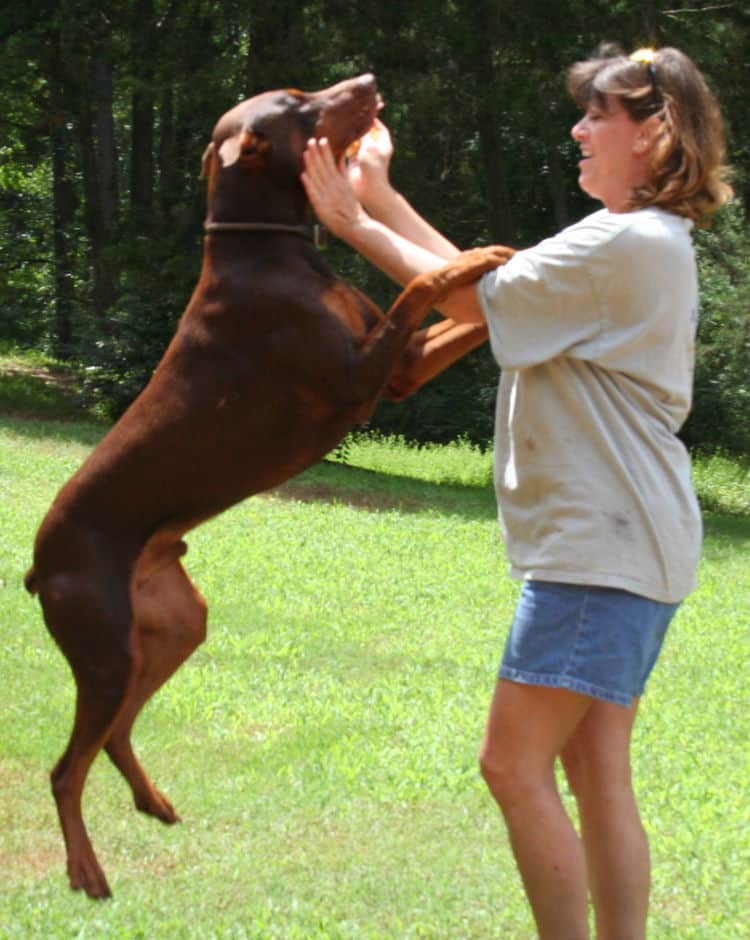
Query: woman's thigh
[[596, 757], [528, 726]]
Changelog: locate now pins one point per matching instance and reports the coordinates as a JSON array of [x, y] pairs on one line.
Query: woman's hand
[[386, 231], [368, 168], [340, 193], [329, 189]]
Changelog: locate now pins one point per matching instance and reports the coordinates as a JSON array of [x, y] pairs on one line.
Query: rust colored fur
[[273, 361]]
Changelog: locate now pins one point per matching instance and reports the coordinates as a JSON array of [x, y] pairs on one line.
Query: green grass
[[321, 745]]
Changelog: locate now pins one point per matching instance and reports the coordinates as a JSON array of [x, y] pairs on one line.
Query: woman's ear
[[648, 132]]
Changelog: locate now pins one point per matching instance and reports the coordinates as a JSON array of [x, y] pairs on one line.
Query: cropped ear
[[208, 154], [247, 149]]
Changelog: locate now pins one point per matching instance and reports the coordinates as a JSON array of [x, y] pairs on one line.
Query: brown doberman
[[273, 361]]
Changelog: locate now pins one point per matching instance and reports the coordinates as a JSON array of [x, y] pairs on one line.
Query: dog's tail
[[30, 581]]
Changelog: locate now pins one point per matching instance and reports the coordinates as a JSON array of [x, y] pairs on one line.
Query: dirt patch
[[56, 378], [324, 493]]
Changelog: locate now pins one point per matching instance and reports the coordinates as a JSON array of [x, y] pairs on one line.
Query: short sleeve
[[543, 303]]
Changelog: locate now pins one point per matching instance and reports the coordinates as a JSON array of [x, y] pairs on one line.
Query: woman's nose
[[577, 131]]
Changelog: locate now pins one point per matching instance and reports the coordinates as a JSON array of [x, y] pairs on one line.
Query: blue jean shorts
[[602, 642]]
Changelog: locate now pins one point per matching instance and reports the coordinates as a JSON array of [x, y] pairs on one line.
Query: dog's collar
[[317, 234]]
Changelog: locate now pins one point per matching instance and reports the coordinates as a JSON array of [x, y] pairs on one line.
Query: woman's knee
[[499, 777], [511, 779], [526, 728]]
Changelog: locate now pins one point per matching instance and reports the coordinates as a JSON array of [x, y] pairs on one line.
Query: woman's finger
[[328, 189]]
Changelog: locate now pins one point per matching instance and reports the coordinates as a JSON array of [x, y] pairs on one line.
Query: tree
[[106, 112]]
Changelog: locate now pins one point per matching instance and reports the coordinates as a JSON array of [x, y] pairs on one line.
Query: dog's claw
[[88, 876], [158, 806]]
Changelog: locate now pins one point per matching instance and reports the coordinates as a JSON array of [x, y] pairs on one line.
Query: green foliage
[[721, 412], [154, 290], [723, 483], [321, 746], [99, 237], [26, 288]]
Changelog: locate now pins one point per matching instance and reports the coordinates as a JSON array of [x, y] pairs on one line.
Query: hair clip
[[646, 57]]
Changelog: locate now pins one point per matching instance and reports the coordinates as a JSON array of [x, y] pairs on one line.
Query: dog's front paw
[[472, 264], [465, 268]]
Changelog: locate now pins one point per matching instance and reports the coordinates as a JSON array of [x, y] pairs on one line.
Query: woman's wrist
[[388, 206], [395, 255], [381, 200]]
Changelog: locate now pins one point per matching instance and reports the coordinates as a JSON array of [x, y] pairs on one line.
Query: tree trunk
[[141, 151], [64, 202], [142, 106], [168, 175], [489, 117], [98, 161], [275, 58], [556, 181], [63, 213]]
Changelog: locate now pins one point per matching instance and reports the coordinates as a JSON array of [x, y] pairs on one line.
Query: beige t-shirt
[[594, 330]]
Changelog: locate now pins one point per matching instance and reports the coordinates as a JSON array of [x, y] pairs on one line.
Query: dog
[[274, 360]]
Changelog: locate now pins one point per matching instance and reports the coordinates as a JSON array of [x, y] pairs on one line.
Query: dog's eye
[[252, 143], [254, 149]]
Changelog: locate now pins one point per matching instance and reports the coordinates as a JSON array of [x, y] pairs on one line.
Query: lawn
[[321, 745]]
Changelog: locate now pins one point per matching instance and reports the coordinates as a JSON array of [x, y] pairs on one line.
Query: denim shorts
[[602, 642]]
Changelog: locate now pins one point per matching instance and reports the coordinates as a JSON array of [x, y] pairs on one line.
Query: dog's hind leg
[[92, 626], [169, 622]]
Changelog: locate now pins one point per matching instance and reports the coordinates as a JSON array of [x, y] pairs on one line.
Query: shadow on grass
[[327, 481], [41, 404], [59, 429], [43, 401], [371, 490], [735, 529]]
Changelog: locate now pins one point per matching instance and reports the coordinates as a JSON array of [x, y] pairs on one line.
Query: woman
[[594, 332]]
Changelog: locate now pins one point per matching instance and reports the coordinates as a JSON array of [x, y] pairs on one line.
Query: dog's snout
[[359, 86]]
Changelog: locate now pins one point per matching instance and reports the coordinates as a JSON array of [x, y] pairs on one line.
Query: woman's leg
[[527, 728], [597, 764]]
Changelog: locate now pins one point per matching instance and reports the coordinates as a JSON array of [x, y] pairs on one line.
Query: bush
[[721, 409], [159, 274]]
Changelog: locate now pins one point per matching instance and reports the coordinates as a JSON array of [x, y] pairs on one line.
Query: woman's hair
[[687, 172]]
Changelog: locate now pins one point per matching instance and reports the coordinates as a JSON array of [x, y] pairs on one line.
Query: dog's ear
[[208, 154], [248, 150]]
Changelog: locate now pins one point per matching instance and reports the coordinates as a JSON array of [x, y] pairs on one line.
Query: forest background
[[106, 108]]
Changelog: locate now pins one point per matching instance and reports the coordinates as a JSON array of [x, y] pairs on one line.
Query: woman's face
[[614, 150]]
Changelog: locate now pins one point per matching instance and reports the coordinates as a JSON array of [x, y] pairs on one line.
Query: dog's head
[[257, 147]]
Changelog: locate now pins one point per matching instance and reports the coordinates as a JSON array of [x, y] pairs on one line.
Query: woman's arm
[[336, 205], [368, 173]]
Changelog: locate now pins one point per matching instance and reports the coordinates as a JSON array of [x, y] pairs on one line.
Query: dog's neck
[[261, 200]]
